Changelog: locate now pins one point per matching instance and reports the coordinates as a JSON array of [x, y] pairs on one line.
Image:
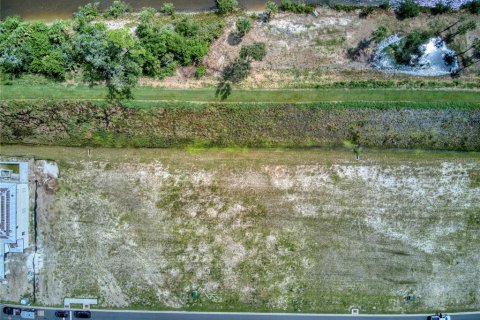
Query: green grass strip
[[147, 96]]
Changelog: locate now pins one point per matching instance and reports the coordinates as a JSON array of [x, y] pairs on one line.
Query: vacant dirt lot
[[263, 230]]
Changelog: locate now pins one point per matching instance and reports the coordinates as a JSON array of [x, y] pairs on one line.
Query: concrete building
[[14, 210]]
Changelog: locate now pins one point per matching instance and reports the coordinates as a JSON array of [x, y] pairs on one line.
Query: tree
[[380, 34], [243, 26], [408, 9], [226, 6], [255, 51], [187, 27], [113, 56], [441, 8], [117, 9], [271, 8], [409, 47], [147, 14], [472, 6], [88, 12], [168, 8]]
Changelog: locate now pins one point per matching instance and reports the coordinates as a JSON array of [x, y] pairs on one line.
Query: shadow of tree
[[224, 89], [234, 38], [360, 50]]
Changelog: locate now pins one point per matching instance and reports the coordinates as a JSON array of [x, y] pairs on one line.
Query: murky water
[[430, 63], [61, 9]]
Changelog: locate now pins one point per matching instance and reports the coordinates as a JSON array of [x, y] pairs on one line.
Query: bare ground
[[260, 230]]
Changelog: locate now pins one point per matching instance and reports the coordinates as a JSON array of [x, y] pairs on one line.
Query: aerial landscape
[[240, 160]]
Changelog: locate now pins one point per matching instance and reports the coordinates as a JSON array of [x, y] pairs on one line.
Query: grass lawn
[[147, 96]]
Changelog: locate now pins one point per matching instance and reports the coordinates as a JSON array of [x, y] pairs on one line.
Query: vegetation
[[385, 5], [296, 7], [408, 9], [473, 6], [380, 33], [441, 8], [366, 11], [117, 9], [252, 124], [200, 71], [255, 51], [408, 50], [271, 7], [243, 26], [168, 8], [114, 57], [226, 6]]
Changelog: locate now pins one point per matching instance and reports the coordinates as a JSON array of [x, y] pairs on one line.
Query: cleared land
[[260, 230]]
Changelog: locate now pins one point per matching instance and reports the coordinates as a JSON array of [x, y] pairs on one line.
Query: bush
[[147, 14], [473, 6], [366, 11], [385, 5], [200, 71], [408, 9], [380, 34], [226, 6], [296, 7], [117, 9], [408, 47], [440, 8], [256, 51], [168, 8], [88, 12], [187, 27], [243, 26], [271, 7]]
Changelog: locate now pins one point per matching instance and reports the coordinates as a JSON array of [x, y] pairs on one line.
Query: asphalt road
[[153, 315]]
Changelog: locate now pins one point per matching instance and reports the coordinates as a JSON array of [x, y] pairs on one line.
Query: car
[[62, 314], [8, 310], [82, 314], [439, 317]]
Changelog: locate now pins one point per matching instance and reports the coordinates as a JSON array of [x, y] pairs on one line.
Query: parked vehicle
[[7, 310], [28, 314], [82, 314], [62, 314], [439, 317]]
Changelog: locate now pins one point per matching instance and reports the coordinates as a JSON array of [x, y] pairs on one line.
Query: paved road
[[145, 315]]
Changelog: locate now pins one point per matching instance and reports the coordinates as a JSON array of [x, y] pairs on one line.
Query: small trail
[[35, 237]]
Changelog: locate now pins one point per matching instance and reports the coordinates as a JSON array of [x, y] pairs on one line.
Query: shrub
[[440, 8], [256, 51], [187, 27], [385, 5], [366, 11], [271, 7], [117, 9], [168, 8], [200, 71], [147, 14], [408, 47], [243, 26], [408, 9], [226, 6], [296, 7], [88, 12], [472, 6], [380, 34]]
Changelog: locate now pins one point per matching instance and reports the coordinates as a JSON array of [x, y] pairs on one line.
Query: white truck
[[28, 314]]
